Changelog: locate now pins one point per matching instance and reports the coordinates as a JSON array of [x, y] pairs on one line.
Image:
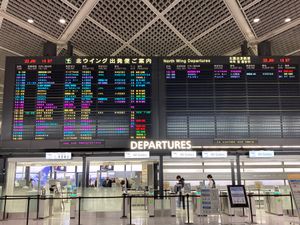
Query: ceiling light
[[30, 20], [287, 20], [256, 20], [62, 21]]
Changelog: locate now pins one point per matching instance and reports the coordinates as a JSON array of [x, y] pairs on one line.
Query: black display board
[[57, 102], [212, 100], [237, 196], [104, 102]]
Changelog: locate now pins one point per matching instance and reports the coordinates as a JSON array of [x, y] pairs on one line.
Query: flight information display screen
[[232, 97], [78, 100]]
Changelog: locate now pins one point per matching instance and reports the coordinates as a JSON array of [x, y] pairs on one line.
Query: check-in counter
[[273, 204], [137, 201]]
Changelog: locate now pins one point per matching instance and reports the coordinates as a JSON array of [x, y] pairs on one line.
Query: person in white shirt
[[211, 181]]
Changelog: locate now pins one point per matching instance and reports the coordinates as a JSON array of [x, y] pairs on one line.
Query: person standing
[[211, 181], [178, 189]]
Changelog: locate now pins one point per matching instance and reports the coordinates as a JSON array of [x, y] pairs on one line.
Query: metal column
[[232, 172], [27, 175], [84, 175], [155, 180], [161, 177], [238, 170]]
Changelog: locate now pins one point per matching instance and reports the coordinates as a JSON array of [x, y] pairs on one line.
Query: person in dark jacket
[[107, 182], [178, 189]]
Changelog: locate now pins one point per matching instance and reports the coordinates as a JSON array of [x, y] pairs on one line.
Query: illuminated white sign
[[261, 154], [137, 155], [214, 154], [184, 154], [59, 155], [155, 144]]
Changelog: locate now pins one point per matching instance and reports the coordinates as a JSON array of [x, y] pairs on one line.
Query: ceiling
[[147, 27]]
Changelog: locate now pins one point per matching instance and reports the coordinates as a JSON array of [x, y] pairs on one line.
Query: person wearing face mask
[[211, 181], [178, 189]]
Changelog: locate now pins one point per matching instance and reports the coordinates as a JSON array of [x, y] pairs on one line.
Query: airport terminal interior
[[144, 112]]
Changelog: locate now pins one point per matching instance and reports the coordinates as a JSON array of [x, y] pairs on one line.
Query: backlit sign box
[[59, 155], [137, 155], [214, 154], [261, 154], [161, 145], [184, 154]]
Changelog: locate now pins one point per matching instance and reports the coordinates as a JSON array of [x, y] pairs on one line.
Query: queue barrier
[[75, 205]]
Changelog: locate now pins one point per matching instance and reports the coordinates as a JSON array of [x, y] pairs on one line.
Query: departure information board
[[104, 102], [231, 97], [81, 100]]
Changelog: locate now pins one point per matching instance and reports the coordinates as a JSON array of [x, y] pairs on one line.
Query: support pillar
[[161, 176], [232, 172], [238, 170]]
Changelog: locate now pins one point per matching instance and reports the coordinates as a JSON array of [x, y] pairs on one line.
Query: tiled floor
[[141, 218]]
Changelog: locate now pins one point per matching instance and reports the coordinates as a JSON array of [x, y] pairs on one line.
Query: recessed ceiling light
[[30, 21], [287, 20], [62, 21], [256, 20]]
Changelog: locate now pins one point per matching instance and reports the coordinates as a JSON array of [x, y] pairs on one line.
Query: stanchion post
[[188, 210], [292, 206], [250, 205], [124, 205], [37, 207], [79, 209], [4, 208], [259, 198], [182, 199], [130, 211], [27, 213]]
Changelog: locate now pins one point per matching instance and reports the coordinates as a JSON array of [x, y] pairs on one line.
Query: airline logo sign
[[214, 154], [161, 145], [261, 154]]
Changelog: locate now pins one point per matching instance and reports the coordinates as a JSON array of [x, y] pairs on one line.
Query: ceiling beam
[[242, 22], [273, 33], [153, 21], [135, 36], [279, 30], [3, 7], [233, 52], [34, 30], [203, 34], [251, 4], [293, 52], [77, 20], [101, 27], [28, 27], [171, 26], [8, 50]]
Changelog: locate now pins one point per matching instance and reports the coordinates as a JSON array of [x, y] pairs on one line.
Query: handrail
[[123, 197], [32, 197]]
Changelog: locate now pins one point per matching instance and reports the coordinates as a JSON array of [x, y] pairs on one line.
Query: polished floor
[[141, 218]]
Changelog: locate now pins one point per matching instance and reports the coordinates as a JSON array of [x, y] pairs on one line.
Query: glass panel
[[217, 170], [119, 168], [137, 167], [263, 170], [291, 163], [262, 163], [71, 169], [94, 168], [183, 170], [292, 169]]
